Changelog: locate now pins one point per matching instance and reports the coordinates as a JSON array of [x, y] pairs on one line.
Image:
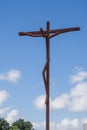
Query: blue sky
[[22, 59]]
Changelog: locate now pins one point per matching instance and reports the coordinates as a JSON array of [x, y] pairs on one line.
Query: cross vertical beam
[[48, 74]]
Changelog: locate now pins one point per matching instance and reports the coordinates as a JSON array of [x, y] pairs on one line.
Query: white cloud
[[12, 116], [78, 98], [59, 102], [3, 96], [4, 110], [12, 76], [77, 95], [39, 102], [65, 124], [35, 125], [79, 76]]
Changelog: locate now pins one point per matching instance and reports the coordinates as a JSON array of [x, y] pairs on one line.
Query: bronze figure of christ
[[47, 34]]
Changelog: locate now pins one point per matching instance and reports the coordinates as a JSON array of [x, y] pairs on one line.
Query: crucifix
[[47, 34]]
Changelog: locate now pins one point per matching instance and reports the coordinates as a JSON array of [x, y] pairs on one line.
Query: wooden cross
[[47, 34]]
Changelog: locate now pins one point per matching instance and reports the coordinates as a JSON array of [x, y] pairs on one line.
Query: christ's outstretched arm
[[30, 34]]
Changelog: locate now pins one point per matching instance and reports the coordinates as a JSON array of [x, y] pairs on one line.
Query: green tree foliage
[[17, 125], [23, 125], [13, 128], [4, 125]]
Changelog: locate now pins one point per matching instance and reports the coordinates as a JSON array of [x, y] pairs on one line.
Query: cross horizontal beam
[[40, 34]]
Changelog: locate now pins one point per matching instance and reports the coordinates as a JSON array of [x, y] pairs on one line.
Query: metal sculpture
[[47, 34]]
